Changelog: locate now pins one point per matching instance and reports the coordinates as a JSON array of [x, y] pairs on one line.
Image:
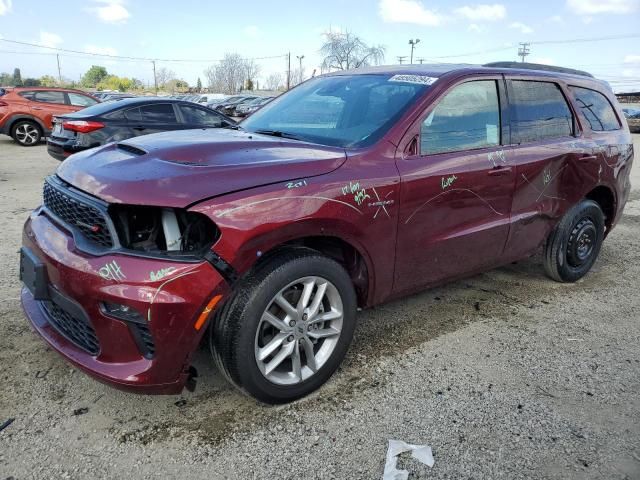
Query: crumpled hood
[[177, 169]]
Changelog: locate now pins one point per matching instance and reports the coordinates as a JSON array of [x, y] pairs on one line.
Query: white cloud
[[111, 11], [100, 50], [409, 11], [524, 28], [251, 31], [592, 7], [556, 19], [483, 13], [474, 27], [5, 6], [632, 59], [48, 39]]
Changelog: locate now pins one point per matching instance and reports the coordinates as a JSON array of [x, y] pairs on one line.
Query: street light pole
[[413, 44], [300, 57]]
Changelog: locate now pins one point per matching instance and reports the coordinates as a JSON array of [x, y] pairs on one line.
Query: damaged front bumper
[[130, 321]]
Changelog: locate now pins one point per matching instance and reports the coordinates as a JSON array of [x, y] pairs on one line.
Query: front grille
[[77, 330], [76, 213]]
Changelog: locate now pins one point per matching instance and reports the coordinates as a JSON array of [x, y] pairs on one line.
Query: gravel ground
[[506, 375]]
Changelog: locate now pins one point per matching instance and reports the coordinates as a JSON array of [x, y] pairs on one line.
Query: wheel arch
[[606, 199], [16, 118]]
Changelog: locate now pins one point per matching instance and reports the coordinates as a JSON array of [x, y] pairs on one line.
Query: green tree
[[48, 81], [6, 79], [31, 82], [113, 82], [94, 76], [17, 78], [199, 85]]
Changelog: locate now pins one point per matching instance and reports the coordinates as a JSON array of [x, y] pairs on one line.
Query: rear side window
[[49, 97], [158, 113], [539, 111], [134, 115], [200, 116], [596, 108], [80, 100], [468, 117]]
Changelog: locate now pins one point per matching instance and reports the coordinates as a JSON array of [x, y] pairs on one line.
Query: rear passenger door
[[456, 187], [152, 118], [544, 151], [48, 103]]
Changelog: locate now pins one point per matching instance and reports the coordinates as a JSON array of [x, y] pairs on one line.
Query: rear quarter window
[[596, 108], [539, 111], [49, 97]]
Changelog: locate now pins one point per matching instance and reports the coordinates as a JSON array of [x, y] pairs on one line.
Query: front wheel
[[288, 326], [574, 244], [26, 133]]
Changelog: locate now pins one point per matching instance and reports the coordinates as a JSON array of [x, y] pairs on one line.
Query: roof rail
[[538, 66]]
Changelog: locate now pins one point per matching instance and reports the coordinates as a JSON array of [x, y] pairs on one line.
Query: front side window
[[539, 111], [596, 109], [340, 110], [158, 113], [468, 117], [200, 116], [49, 97], [80, 100]]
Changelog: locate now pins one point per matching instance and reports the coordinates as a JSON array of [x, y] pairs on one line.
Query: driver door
[[457, 183]]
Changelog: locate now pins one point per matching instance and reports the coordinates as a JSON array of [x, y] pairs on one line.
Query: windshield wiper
[[278, 133], [234, 127]]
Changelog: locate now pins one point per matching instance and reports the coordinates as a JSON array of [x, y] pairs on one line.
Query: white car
[[210, 97]]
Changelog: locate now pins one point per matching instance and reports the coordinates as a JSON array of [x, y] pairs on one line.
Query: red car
[[351, 189], [26, 113]]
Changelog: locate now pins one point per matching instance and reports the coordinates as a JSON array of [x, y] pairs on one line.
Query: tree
[[94, 76], [275, 81], [199, 85], [176, 85], [228, 76], [17, 78], [252, 70], [48, 81], [31, 82], [343, 51], [6, 79], [163, 75], [113, 82]]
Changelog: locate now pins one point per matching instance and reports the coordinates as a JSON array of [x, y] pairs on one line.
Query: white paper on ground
[[422, 453]]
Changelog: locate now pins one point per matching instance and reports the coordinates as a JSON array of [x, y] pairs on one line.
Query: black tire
[[233, 333], [574, 244], [26, 133]]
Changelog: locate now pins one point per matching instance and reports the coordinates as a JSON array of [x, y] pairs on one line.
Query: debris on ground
[[422, 453]]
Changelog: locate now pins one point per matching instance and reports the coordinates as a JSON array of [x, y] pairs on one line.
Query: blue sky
[[191, 30]]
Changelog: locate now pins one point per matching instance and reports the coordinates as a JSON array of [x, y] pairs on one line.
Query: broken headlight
[[163, 230]]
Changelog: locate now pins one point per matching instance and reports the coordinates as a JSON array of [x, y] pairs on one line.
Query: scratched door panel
[[454, 215]]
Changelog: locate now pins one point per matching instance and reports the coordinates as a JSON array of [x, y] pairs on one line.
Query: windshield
[[342, 111]]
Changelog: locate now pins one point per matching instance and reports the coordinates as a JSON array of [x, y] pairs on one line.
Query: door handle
[[139, 128], [37, 108], [495, 172]]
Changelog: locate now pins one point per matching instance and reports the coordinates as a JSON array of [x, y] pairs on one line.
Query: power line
[[124, 57]]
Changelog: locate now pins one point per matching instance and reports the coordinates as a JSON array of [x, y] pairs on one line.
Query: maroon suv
[[353, 188]]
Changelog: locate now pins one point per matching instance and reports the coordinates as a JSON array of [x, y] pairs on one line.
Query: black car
[[131, 117]]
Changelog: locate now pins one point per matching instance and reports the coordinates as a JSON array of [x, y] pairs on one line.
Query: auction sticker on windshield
[[421, 79]]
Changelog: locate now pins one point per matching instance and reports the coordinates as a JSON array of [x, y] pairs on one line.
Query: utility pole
[[413, 44], [288, 70], [300, 57], [59, 72], [421, 60], [401, 58], [524, 50], [155, 79]]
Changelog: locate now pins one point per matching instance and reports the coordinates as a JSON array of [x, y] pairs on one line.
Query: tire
[[241, 339], [26, 133], [574, 244]]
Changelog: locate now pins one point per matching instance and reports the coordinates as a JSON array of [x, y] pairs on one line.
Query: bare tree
[[275, 81], [252, 70], [343, 51], [228, 76], [163, 75]]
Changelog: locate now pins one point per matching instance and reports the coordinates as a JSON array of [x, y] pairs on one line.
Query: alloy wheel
[[27, 134], [299, 330]]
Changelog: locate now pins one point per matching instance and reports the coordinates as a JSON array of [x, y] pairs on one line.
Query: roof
[[440, 69]]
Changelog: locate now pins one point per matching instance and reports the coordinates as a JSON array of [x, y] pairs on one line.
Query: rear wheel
[[26, 133], [573, 246], [288, 326]]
